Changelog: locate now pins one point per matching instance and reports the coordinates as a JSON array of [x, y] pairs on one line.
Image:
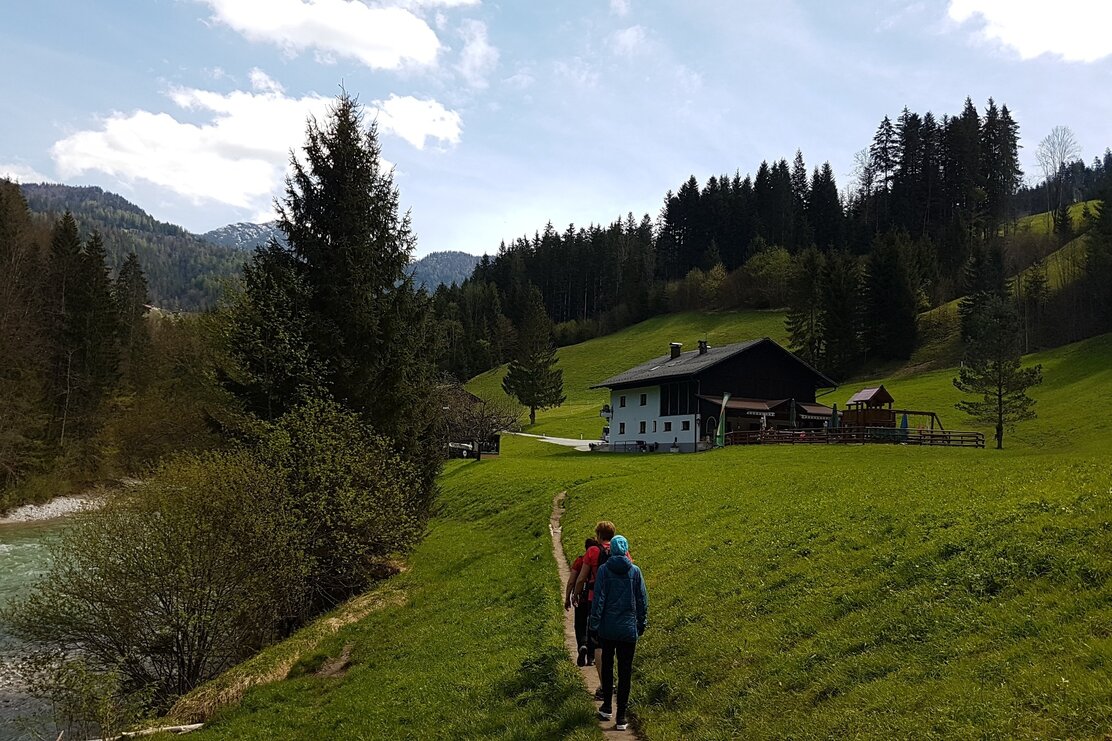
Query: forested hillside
[[933, 213], [184, 272]]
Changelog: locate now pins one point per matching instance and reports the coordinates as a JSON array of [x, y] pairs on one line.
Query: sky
[[500, 116]]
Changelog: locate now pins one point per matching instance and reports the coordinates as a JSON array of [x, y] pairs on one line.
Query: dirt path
[[590, 676]]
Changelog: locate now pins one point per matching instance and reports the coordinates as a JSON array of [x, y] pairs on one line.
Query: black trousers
[[582, 613], [624, 651]]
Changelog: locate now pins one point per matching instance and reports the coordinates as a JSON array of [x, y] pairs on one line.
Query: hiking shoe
[[599, 696], [622, 724], [582, 660], [605, 712]]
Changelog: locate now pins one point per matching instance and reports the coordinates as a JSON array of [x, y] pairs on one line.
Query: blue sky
[[500, 116]]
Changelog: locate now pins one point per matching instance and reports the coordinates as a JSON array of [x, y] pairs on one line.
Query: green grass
[[1043, 223], [589, 362], [795, 592]]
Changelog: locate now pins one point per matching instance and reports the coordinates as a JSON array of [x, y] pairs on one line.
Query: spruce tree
[[1063, 225], [130, 293], [992, 370], [532, 376], [63, 281], [984, 279], [841, 308], [805, 309], [97, 330], [891, 316], [368, 325]]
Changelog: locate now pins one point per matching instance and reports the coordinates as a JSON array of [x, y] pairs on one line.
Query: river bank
[[56, 508], [26, 533]]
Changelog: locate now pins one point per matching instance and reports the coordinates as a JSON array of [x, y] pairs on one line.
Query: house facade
[[675, 402]]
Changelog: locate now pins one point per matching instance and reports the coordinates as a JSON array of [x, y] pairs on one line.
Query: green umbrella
[[834, 421]]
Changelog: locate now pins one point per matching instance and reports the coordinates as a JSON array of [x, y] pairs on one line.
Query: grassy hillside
[[589, 362], [870, 592], [1043, 223]]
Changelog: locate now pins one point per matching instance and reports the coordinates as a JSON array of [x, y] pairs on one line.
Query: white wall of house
[[642, 422]]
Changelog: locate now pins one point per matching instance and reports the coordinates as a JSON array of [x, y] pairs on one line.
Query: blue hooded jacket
[[620, 609]]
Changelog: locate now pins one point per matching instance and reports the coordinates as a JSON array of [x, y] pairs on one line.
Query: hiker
[[585, 584], [582, 605], [619, 615]]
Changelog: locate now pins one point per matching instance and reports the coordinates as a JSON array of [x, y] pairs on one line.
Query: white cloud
[[262, 82], [237, 156], [629, 41], [20, 173], [379, 37], [417, 120], [1076, 30], [478, 57], [619, 7]]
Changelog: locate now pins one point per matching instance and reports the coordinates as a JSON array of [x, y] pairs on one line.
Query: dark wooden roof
[[872, 397], [691, 363]]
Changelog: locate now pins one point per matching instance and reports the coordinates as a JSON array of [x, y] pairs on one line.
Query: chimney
[[703, 347], [674, 347]]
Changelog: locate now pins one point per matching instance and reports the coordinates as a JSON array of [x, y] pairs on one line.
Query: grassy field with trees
[[875, 592]]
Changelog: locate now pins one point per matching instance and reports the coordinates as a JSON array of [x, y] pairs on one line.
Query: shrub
[[173, 582]]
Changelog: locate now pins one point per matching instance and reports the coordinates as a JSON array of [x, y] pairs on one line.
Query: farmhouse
[[677, 401]]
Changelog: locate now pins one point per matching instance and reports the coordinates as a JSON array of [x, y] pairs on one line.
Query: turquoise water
[[23, 559]]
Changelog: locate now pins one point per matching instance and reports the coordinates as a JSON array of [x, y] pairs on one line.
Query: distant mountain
[[244, 236], [429, 272], [187, 271], [443, 267], [184, 272]]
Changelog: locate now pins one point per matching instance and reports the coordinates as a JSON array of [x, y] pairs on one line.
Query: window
[[686, 425], [644, 399], [642, 427], [622, 401], [622, 426], [677, 398], [667, 426], [654, 425]]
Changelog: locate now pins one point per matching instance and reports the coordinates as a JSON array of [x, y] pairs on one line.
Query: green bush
[[174, 581]]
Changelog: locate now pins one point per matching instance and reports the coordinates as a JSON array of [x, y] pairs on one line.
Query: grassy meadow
[[795, 592]]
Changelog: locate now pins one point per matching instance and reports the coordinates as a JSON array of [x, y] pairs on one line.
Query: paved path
[[567, 442], [590, 676]]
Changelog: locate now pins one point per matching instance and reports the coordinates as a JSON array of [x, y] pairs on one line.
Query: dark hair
[[605, 530], [590, 542]]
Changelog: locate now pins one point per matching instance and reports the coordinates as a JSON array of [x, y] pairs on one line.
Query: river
[[23, 558]]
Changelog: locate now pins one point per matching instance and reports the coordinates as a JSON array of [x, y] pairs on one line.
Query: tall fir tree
[[993, 370], [804, 322], [841, 310], [984, 280], [532, 376], [366, 325], [891, 316], [64, 270], [132, 301]]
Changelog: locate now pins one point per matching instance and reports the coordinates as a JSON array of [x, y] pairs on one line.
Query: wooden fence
[[859, 436]]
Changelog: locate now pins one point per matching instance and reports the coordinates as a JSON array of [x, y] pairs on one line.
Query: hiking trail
[[588, 673]]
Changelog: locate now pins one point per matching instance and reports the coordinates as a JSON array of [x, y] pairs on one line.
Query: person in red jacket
[[582, 605], [585, 583]]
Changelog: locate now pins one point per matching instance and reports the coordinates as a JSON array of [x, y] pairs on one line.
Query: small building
[[676, 401], [870, 407]]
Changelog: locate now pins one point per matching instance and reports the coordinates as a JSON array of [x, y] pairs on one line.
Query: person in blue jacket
[[619, 615]]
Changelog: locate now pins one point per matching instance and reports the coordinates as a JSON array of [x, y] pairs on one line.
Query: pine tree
[[984, 280], [532, 376], [825, 209], [841, 315], [365, 323], [63, 281], [992, 370], [1063, 225], [22, 341], [805, 309], [891, 316], [98, 330], [132, 299]]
